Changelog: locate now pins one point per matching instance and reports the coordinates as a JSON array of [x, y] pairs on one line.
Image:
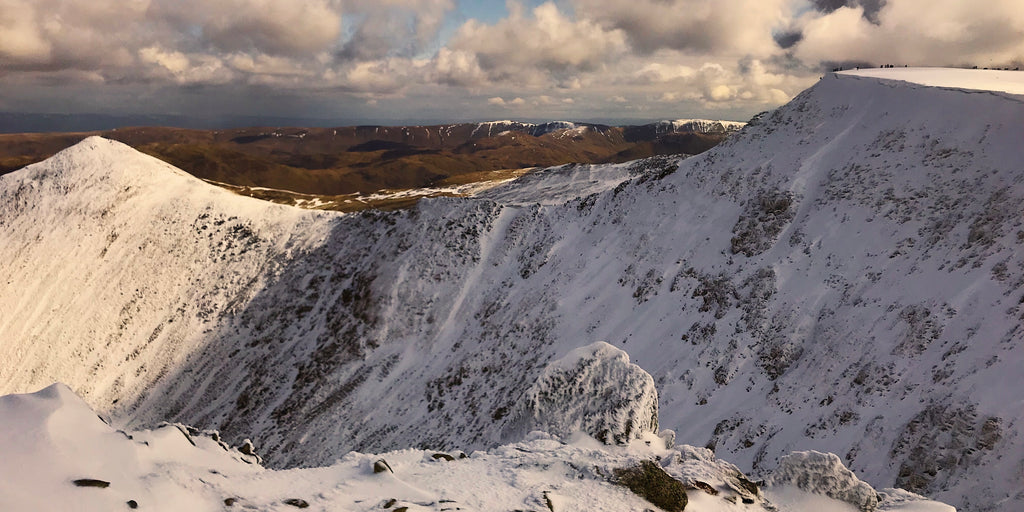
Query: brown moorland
[[349, 161]]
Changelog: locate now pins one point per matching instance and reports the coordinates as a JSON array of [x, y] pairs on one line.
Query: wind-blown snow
[[842, 275]]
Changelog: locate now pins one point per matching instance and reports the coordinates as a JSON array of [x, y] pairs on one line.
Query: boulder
[[824, 473], [595, 390]]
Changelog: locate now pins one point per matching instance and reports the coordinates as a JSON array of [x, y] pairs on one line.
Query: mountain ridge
[[850, 251]]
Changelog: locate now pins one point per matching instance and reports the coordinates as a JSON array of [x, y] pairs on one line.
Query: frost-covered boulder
[[595, 390], [824, 473]]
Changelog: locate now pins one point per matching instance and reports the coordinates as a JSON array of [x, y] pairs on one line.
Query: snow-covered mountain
[[697, 126], [701, 126], [842, 275]]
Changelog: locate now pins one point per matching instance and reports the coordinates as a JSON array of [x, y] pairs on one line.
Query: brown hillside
[[364, 159]]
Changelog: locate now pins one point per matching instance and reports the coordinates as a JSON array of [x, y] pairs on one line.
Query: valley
[[344, 167]]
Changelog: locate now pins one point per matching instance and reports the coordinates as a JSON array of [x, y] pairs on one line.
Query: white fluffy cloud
[[457, 67], [917, 32], [526, 47], [583, 58]]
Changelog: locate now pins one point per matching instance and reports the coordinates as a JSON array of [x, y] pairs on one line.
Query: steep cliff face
[[842, 275]]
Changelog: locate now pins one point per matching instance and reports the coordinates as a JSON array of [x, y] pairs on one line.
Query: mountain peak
[[97, 158]]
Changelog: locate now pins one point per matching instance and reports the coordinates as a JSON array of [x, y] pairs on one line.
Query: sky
[[405, 61]]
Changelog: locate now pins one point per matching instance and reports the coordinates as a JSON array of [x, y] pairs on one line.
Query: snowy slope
[[968, 79], [58, 455], [116, 264], [843, 275]]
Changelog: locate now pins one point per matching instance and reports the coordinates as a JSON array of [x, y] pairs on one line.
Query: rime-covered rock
[[596, 390], [824, 473]]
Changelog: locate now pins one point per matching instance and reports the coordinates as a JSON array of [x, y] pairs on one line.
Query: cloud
[[535, 47], [660, 72], [916, 32], [394, 27], [110, 35], [22, 40], [378, 78], [456, 67], [501, 102], [59, 34], [293, 28], [870, 8], [735, 27], [563, 57]]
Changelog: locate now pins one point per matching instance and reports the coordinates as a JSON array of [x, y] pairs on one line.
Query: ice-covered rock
[[596, 390], [824, 473]]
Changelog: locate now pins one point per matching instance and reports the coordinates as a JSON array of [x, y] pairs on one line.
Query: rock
[[296, 502], [445, 456], [653, 484], [547, 502], [249, 454], [746, 490], [132, 504], [593, 389], [669, 437], [381, 466], [91, 482], [247, 448], [704, 486], [824, 473]]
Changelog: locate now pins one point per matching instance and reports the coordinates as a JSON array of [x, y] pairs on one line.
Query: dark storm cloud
[[788, 39], [706, 26], [871, 7], [392, 28]]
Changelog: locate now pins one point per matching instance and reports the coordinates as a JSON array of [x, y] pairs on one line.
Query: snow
[[51, 438], [593, 389], [824, 474], [491, 128], [872, 309], [699, 126], [1011, 82], [556, 185]]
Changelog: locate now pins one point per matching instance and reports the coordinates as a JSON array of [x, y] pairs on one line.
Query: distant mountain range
[[366, 159]]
